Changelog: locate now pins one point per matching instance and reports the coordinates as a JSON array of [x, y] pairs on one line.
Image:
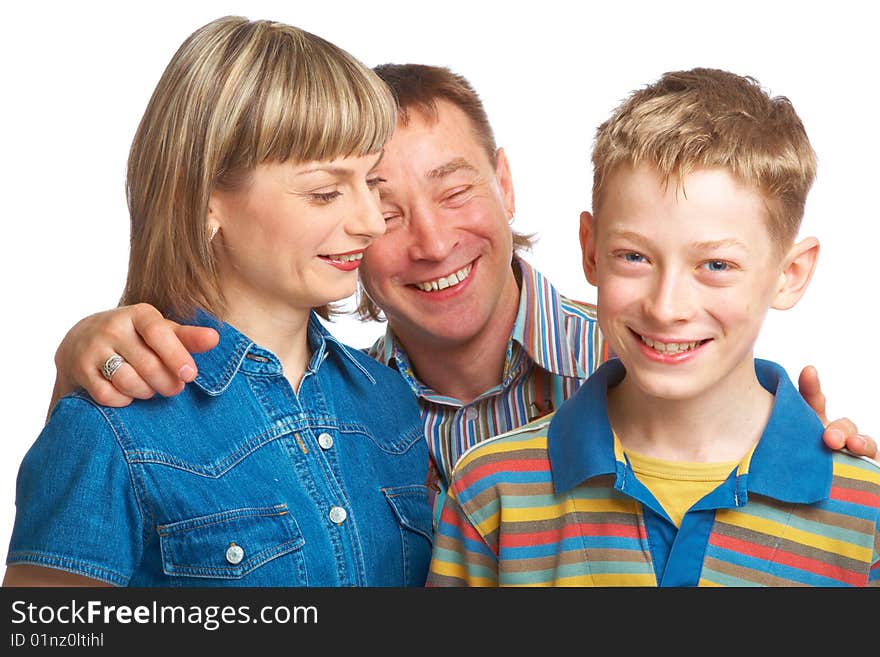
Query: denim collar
[[790, 463], [235, 351]]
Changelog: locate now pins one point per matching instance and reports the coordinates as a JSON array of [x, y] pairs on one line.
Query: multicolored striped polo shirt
[[554, 346], [556, 503]]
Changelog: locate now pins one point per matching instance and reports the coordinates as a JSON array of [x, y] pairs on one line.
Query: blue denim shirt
[[237, 481]]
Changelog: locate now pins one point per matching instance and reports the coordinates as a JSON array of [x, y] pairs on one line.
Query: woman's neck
[[284, 332]]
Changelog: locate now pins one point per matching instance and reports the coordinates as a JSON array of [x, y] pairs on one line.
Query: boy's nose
[[672, 299]]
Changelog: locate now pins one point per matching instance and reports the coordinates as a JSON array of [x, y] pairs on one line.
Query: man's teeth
[[669, 347], [445, 281], [346, 257]]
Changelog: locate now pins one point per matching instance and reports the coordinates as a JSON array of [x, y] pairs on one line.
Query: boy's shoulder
[[847, 465], [506, 452]]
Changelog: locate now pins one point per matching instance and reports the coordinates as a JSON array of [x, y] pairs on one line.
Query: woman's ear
[[797, 270], [214, 213]]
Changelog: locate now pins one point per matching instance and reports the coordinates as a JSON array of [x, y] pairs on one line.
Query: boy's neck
[[720, 424]]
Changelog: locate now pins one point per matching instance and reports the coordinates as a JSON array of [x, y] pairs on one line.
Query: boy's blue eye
[[716, 265], [633, 257]]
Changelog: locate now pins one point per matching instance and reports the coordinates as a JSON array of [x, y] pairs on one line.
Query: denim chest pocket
[[410, 506], [238, 544]]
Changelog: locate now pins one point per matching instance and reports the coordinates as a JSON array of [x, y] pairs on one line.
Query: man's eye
[[632, 256], [457, 194], [375, 182]]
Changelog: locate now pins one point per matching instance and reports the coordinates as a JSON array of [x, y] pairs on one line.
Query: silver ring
[[108, 369]]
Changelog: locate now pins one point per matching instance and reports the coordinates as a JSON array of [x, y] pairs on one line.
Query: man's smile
[[443, 282]]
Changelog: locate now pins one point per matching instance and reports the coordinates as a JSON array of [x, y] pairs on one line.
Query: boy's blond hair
[[237, 93], [708, 118]]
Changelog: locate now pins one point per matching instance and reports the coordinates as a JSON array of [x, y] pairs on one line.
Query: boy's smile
[[685, 275]]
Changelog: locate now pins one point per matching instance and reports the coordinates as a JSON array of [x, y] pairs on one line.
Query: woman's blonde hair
[[236, 93]]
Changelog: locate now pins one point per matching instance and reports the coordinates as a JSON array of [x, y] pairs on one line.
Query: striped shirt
[[554, 346], [556, 503]]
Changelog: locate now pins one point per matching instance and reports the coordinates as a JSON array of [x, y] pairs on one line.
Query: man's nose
[[432, 237]]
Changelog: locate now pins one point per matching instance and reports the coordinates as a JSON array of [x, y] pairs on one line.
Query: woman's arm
[[27, 575]]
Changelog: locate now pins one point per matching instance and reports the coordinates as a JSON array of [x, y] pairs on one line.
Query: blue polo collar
[[235, 351], [790, 463]]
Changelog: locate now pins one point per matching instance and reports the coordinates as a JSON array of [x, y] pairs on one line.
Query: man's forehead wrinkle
[[451, 167]]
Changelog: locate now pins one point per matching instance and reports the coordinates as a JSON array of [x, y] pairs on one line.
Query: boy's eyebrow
[[708, 245], [717, 244], [628, 235], [451, 167]]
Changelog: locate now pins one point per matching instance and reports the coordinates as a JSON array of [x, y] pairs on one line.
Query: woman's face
[[292, 237]]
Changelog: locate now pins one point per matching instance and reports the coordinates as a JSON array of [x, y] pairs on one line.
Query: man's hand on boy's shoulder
[[841, 432]]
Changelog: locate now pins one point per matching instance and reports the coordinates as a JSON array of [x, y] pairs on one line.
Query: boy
[[684, 461]]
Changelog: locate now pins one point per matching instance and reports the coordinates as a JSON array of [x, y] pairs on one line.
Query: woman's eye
[[372, 183], [325, 197]]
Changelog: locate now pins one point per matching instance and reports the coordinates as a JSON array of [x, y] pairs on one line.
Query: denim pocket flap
[[410, 504], [229, 544]]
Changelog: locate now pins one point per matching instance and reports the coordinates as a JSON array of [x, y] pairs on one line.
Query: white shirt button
[[338, 514], [471, 413], [325, 440], [234, 554]]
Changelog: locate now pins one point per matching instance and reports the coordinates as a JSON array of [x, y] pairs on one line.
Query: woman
[[293, 460]]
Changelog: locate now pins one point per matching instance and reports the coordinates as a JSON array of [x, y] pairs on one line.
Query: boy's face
[[685, 277]]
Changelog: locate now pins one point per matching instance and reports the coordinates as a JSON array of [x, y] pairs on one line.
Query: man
[[485, 342]]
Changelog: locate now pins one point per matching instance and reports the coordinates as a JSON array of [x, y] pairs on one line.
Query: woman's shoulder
[[137, 425]]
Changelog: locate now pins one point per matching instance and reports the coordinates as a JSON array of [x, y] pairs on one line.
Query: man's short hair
[[709, 118], [417, 88]]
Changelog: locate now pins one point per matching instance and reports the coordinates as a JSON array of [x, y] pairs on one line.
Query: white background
[[76, 78]]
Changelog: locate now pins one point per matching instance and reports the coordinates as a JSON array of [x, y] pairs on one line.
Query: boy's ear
[[797, 270], [588, 246]]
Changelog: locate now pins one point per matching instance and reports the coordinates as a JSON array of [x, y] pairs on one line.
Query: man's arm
[[840, 433], [156, 351]]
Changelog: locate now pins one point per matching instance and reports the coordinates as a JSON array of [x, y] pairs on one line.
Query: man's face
[[441, 273], [684, 278]]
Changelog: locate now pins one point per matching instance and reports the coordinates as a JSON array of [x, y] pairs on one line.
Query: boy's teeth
[[445, 281], [669, 347], [347, 257]]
